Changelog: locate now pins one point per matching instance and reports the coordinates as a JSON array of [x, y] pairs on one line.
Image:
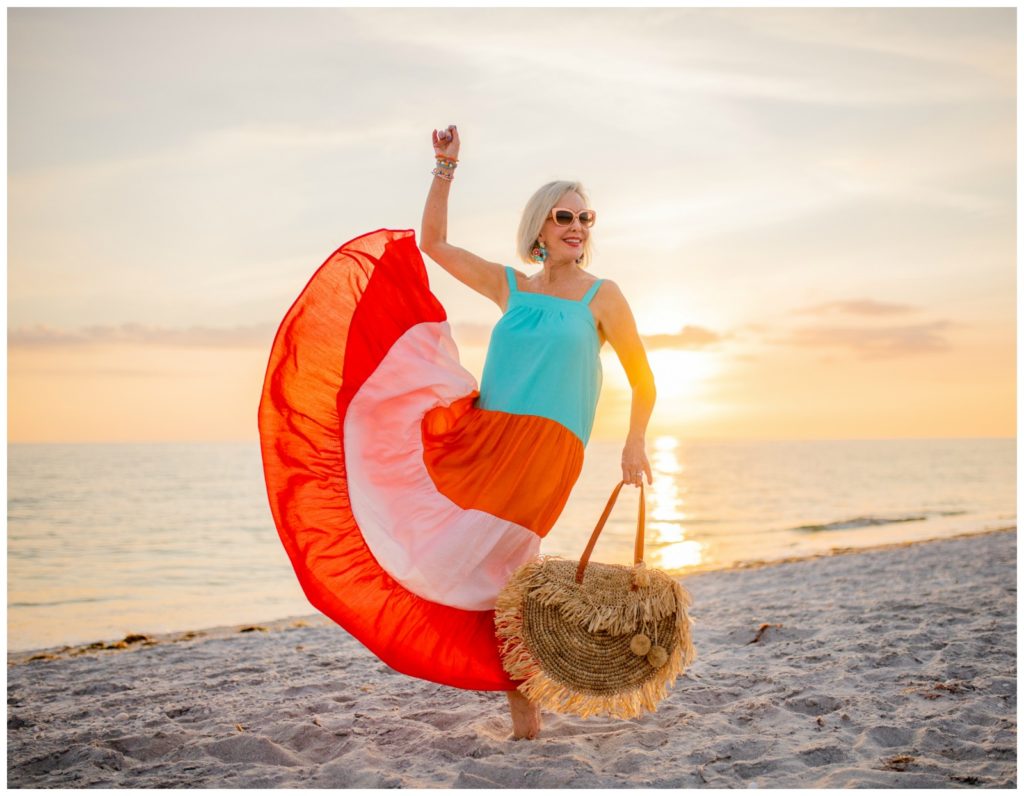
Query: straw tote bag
[[589, 638]]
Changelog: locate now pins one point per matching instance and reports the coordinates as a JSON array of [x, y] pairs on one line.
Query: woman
[[404, 495]]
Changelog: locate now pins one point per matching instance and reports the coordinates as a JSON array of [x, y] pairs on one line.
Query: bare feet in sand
[[525, 716]]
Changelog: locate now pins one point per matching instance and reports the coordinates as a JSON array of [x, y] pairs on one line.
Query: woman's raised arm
[[482, 275]]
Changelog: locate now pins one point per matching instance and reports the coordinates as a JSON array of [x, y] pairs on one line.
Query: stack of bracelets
[[445, 168]]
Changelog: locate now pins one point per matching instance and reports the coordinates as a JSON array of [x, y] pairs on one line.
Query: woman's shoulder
[[608, 301], [608, 287]]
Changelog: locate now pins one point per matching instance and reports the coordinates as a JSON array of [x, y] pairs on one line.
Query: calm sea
[[105, 540]]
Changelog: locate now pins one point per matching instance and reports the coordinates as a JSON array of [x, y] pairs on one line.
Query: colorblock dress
[[404, 494]]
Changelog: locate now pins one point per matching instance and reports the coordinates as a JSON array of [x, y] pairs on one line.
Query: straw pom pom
[[657, 657], [640, 645], [641, 576]]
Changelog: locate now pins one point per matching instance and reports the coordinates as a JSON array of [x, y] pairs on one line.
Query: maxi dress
[[404, 494]]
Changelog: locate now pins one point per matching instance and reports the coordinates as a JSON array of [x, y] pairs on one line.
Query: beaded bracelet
[[445, 168]]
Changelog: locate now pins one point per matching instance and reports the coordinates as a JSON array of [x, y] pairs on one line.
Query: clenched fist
[[446, 141]]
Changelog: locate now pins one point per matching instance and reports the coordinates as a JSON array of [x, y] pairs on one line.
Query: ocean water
[[106, 540]]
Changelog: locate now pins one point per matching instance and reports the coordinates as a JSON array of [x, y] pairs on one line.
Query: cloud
[[856, 307], [972, 38], [687, 337], [885, 342], [93, 372], [259, 335]]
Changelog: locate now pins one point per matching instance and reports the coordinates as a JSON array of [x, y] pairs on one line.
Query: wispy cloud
[[262, 334], [737, 53], [884, 342], [236, 142], [242, 336], [687, 337], [93, 372], [959, 36], [856, 307]]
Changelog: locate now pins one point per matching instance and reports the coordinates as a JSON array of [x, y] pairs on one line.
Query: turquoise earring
[[538, 253]]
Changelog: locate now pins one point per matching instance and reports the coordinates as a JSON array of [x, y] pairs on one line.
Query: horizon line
[[256, 441]]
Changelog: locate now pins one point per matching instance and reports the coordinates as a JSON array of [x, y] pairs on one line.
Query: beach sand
[[890, 667]]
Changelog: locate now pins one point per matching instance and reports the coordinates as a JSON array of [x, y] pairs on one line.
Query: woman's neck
[[554, 273]]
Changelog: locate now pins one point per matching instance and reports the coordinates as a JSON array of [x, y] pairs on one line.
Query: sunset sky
[[810, 211]]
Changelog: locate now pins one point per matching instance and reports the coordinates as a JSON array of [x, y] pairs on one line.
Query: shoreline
[[842, 551], [135, 641]]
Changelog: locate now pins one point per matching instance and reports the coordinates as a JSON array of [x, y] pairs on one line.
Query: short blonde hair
[[538, 209]]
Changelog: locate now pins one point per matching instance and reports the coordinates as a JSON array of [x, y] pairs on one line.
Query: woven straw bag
[[589, 638]]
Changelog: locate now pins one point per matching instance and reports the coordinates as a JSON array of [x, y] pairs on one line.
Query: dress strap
[[510, 274], [590, 293]]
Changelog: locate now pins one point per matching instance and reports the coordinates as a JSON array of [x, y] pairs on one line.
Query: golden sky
[[811, 211]]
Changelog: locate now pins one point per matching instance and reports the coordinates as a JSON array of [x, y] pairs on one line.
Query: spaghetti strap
[[590, 293], [510, 274]]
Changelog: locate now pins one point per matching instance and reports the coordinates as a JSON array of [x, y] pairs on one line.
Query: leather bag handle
[[638, 548]]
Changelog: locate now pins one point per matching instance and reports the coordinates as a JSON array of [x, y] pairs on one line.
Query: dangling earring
[[538, 253]]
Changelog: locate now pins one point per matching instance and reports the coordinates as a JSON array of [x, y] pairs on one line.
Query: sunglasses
[[563, 217]]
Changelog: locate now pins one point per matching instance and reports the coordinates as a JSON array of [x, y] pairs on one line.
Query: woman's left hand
[[634, 463]]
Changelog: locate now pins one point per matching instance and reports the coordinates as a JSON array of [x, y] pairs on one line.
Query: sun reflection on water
[[668, 546]]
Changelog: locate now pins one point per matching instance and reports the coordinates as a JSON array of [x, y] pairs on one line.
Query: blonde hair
[[538, 210]]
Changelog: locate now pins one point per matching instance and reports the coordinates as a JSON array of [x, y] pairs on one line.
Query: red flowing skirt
[[403, 506]]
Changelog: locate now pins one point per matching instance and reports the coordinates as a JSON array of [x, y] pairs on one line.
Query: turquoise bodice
[[544, 359]]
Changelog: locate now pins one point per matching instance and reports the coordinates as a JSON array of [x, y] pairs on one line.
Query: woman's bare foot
[[525, 716]]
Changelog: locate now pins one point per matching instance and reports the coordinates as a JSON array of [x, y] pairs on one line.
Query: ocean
[[109, 539]]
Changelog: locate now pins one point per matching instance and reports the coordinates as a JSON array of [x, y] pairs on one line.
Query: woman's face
[[565, 241]]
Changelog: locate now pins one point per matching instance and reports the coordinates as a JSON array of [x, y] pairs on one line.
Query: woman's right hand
[[446, 142]]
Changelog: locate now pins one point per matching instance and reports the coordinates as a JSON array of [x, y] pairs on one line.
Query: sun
[[682, 374], [687, 396], [677, 374]]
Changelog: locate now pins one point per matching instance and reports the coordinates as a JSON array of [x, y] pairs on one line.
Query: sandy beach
[[888, 667]]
